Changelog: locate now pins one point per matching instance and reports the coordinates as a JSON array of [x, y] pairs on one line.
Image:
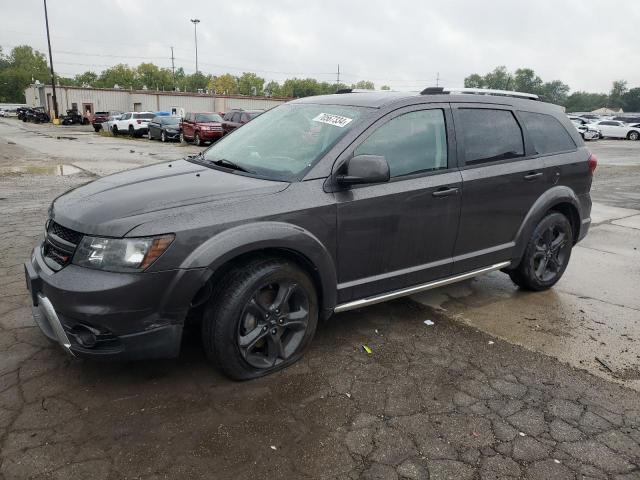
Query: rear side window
[[547, 133], [411, 143], [489, 135]]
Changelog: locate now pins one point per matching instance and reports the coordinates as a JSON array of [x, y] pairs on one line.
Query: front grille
[[64, 233], [59, 245]]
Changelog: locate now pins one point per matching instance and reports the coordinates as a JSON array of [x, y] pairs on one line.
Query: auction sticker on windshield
[[335, 120]]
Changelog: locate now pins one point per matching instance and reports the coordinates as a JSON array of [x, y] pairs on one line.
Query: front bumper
[[111, 316], [172, 135], [210, 134]]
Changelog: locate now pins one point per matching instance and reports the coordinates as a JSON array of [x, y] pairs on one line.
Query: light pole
[[53, 78], [195, 22]]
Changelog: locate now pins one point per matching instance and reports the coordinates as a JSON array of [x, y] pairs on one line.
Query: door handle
[[445, 192], [533, 176]]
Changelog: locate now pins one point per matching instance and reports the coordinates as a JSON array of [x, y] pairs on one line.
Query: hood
[[113, 205]]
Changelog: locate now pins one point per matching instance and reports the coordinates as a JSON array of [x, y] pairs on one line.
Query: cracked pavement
[[447, 401]]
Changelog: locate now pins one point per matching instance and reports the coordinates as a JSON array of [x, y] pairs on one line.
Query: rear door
[[501, 181], [402, 232]]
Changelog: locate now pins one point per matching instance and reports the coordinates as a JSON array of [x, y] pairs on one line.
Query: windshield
[[208, 117], [170, 120], [286, 141]]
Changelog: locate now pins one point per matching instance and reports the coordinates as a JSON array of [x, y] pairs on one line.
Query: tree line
[[24, 65], [555, 91]]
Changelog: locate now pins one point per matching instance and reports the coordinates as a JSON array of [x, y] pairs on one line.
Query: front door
[[401, 233]]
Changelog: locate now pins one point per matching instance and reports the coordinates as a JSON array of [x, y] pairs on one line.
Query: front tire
[[163, 136], [547, 254], [197, 140], [261, 318], [633, 136], [182, 139]]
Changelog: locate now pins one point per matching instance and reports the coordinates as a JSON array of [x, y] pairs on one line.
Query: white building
[[90, 100]]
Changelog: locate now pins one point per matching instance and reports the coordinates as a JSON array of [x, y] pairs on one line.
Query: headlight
[[120, 254]]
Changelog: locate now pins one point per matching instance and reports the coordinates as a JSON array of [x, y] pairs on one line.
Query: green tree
[[149, 75], [526, 80], [618, 89], [499, 79], [554, 92], [631, 100], [385, 87], [273, 89], [19, 69], [196, 82], [474, 81], [86, 78], [122, 75], [585, 101], [364, 85], [250, 84], [301, 87], [225, 84]]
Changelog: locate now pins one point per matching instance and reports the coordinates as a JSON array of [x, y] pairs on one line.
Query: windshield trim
[[199, 160]]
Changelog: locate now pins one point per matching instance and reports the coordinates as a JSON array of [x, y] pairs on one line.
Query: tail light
[[593, 163]]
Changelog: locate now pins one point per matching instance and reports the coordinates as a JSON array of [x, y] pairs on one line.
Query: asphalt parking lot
[[504, 384]]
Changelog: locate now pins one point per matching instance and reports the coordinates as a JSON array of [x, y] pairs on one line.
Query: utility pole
[[53, 77], [438, 79], [173, 69], [195, 22], [338, 76]]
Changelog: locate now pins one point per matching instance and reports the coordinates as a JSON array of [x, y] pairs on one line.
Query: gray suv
[[321, 205]]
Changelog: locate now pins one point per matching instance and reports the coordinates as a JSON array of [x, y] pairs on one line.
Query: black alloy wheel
[[273, 324], [546, 255]]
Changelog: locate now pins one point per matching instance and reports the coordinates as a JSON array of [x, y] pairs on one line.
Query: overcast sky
[[401, 43]]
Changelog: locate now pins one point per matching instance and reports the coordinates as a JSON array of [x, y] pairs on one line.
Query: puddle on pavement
[[52, 170]]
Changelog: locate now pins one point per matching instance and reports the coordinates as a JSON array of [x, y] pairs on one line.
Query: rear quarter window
[[547, 133]]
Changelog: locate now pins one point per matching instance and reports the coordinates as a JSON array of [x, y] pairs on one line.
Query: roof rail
[[355, 90], [479, 91]]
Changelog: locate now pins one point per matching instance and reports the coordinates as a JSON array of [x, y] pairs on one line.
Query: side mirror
[[365, 169]]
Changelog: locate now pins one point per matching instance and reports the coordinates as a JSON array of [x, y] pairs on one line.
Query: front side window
[[411, 143], [285, 142], [489, 135], [547, 133]]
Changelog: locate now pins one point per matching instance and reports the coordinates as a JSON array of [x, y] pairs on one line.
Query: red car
[[237, 117], [99, 118], [201, 127]]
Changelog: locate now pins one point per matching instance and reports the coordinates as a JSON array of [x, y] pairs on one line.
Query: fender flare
[[243, 239], [547, 201]]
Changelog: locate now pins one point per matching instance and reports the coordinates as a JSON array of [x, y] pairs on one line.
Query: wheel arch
[[560, 199], [237, 246]]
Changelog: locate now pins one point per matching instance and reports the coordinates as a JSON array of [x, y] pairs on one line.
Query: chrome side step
[[363, 302]]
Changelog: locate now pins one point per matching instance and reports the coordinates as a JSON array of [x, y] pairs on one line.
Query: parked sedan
[[107, 126], [616, 129], [165, 128], [587, 131]]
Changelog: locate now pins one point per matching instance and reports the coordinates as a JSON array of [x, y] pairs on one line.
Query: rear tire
[[261, 318], [547, 254], [114, 130]]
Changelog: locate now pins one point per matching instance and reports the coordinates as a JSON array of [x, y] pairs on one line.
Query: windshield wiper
[[223, 162]]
